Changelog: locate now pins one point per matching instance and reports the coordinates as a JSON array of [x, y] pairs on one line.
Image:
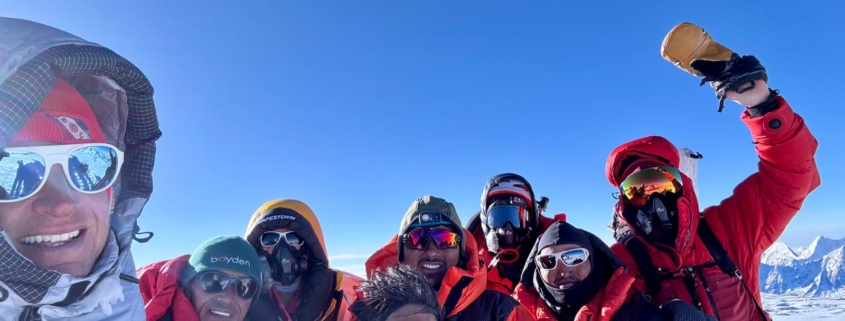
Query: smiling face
[[431, 261], [563, 276], [58, 228], [226, 305]]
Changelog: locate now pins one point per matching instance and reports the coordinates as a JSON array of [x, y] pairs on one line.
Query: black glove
[[678, 310], [729, 75]]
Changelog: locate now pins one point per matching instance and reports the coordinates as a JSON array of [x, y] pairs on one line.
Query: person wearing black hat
[[572, 275]]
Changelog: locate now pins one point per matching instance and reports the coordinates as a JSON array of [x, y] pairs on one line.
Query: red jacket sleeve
[[520, 313], [764, 203]]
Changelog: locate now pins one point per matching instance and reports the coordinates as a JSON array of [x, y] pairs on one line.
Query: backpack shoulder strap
[[715, 248], [647, 270], [724, 262]]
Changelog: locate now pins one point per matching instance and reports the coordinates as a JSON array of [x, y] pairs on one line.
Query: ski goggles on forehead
[[573, 257], [89, 168], [213, 282], [443, 239], [271, 238], [637, 187], [498, 216]]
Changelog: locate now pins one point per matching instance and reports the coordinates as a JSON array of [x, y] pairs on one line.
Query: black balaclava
[[566, 303]]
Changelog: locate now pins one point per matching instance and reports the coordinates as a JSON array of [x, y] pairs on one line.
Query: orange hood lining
[[294, 205]]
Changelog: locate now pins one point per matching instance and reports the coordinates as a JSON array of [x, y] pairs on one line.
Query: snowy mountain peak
[[820, 246], [819, 271], [779, 254]]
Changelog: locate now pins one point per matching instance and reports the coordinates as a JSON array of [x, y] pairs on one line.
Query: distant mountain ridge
[[818, 271]]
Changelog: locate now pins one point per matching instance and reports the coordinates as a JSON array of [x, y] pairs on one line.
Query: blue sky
[[358, 108]]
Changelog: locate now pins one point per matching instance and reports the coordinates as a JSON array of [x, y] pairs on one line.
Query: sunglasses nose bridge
[[56, 196], [229, 293]]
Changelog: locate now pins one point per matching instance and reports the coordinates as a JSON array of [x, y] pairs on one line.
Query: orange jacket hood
[[320, 284], [387, 256]]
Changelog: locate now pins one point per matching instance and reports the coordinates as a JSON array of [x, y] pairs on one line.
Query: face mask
[[287, 288], [656, 219], [286, 264]]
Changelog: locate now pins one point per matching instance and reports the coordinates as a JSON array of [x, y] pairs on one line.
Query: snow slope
[[788, 308], [818, 271]]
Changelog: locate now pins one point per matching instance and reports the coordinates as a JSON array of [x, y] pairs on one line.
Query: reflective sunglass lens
[[658, 180], [93, 168], [547, 261], [21, 173], [293, 239], [574, 257], [444, 239], [270, 238]]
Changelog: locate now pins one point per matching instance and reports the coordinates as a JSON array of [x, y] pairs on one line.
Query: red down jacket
[[474, 300], [161, 292], [746, 223]]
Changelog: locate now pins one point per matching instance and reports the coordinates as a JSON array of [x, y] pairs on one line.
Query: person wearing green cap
[[219, 281], [432, 242]]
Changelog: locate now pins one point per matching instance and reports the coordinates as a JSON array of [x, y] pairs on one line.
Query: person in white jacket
[[77, 145]]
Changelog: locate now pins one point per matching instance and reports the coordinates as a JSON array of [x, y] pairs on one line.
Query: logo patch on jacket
[[75, 127]]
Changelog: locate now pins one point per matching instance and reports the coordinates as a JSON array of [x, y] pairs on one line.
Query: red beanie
[[63, 118]]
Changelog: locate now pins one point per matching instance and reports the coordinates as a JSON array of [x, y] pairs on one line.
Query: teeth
[[220, 313], [431, 266], [50, 238]]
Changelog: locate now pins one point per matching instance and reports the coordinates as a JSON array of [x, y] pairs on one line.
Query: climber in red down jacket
[[571, 274], [711, 259], [219, 281]]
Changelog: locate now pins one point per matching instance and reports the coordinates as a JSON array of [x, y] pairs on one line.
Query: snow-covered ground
[[791, 308]]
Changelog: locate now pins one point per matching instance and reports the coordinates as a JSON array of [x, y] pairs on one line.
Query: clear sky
[[358, 108]]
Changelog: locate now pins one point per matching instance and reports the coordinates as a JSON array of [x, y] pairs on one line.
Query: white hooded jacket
[[120, 95]]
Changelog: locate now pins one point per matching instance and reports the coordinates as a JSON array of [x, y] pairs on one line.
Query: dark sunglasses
[[573, 257], [216, 282], [443, 239]]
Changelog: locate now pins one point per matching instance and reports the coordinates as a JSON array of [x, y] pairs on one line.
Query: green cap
[[227, 253]]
